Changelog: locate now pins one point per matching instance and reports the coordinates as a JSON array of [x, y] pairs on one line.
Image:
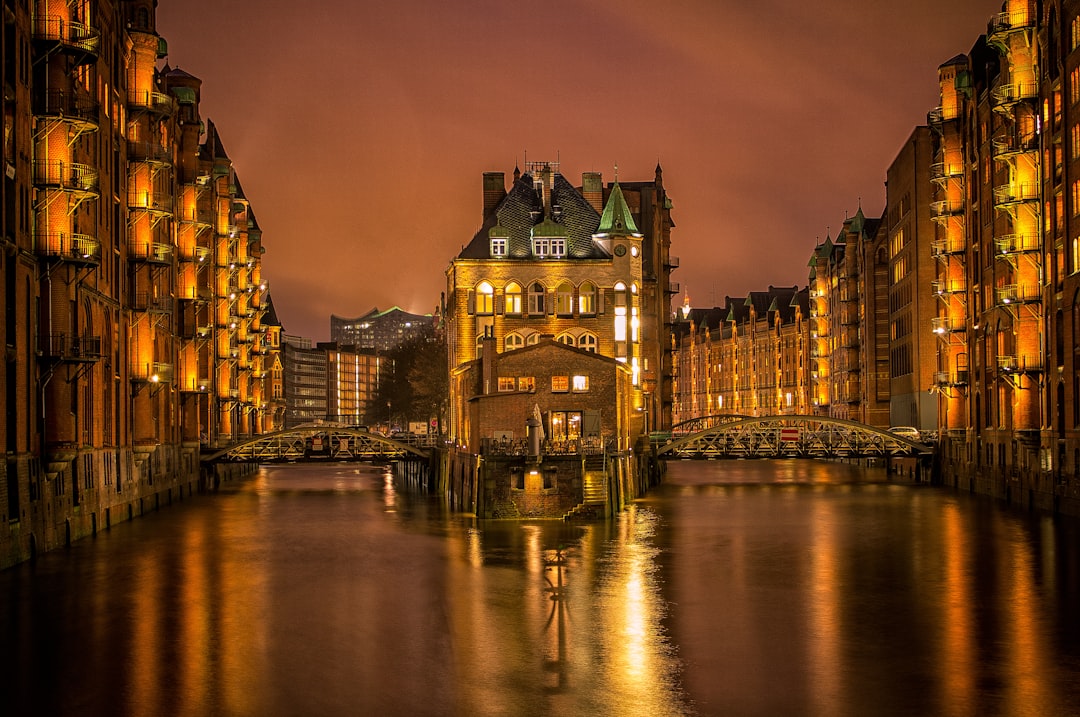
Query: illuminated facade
[[1007, 209], [912, 271], [380, 330], [328, 382], [751, 357], [111, 224], [589, 267]]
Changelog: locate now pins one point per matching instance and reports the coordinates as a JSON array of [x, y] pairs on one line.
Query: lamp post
[[388, 418]]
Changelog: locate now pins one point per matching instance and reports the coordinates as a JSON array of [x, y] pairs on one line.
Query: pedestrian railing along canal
[[320, 442], [790, 437]]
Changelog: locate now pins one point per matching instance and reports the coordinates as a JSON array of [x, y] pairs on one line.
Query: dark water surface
[[736, 588]]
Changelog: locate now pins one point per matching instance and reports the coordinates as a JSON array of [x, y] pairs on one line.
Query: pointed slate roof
[[617, 218], [521, 214]]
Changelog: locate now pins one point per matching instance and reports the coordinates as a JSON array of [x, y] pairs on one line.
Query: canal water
[[735, 588]]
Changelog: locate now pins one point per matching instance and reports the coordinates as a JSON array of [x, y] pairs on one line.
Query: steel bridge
[[785, 437], [320, 442]]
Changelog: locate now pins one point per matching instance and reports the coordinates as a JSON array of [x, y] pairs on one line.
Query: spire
[[617, 218]]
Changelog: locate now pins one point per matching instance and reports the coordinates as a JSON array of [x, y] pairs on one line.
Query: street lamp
[[388, 418]]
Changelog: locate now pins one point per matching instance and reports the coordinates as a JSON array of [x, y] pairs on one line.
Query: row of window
[[517, 339], [542, 247], [585, 299], [559, 384]]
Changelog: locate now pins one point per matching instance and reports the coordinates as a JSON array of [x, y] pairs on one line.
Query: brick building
[[751, 357], [575, 399], [132, 292], [588, 266]]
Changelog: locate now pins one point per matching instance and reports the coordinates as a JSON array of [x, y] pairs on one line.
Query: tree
[[415, 383]]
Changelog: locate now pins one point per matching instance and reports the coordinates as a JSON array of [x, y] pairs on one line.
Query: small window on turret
[[498, 246]]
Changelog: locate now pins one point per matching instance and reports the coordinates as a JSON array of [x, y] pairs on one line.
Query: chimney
[[494, 191], [592, 188], [489, 362]]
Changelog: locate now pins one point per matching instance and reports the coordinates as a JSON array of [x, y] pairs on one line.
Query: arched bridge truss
[[790, 437], [318, 443]]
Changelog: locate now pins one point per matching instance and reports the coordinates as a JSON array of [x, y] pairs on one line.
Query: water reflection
[[737, 588]]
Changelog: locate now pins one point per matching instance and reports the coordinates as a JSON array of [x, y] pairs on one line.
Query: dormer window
[[498, 246], [549, 247]]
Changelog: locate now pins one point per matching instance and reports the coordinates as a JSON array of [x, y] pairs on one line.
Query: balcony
[[946, 247], [198, 294], [154, 202], [1007, 95], [69, 348], [152, 152], [946, 208], [152, 253], [196, 385], [152, 373], [1006, 23], [144, 301], [943, 378], [78, 249], [68, 176], [946, 287], [1017, 294], [1013, 364], [945, 325], [944, 171], [196, 254], [1009, 145], [673, 288], [1016, 193], [671, 262], [200, 217], [1010, 244], [76, 108], [74, 38], [151, 101]]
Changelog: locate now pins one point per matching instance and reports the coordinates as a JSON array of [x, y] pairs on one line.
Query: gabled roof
[[522, 210]]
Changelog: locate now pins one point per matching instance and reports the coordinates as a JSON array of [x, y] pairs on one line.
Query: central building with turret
[[587, 267]]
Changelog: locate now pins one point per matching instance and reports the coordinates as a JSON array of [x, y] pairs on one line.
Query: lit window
[[560, 384], [587, 299], [581, 384], [513, 298], [485, 298], [507, 383], [564, 299], [498, 246], [526, 383]]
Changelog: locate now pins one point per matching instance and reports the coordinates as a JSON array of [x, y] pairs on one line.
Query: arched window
[[513, 341], [620, 320], [536, 298], [587, 299], [532, 339], [564, 299], [566, 338], [479, 345], [587, 341], [485, 298], [513, 299]]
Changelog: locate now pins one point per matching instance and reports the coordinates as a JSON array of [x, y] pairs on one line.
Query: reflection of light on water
[[389, 492], [641, 668]]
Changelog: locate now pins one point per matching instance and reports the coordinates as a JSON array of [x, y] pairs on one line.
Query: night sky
[[360, 129]]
